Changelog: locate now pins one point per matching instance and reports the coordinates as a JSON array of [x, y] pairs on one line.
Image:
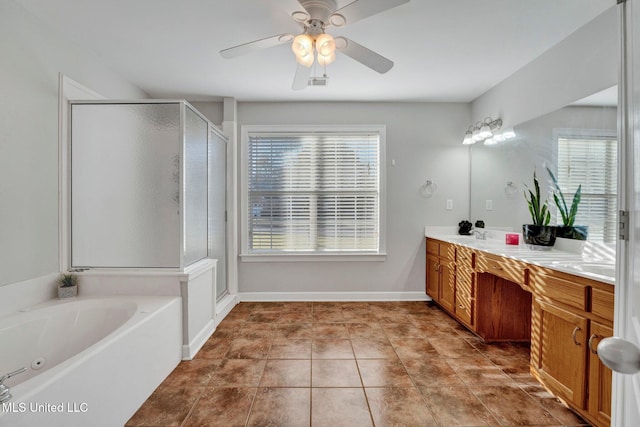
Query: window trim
[[284, 256]]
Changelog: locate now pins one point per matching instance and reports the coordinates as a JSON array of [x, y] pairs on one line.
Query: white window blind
[[316, 192], [592, 163]]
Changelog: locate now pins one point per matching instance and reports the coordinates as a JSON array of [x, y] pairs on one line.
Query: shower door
[[218, 208], [125, 185]]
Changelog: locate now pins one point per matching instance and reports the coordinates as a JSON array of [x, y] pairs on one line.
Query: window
[[313, 191], [591, 161]]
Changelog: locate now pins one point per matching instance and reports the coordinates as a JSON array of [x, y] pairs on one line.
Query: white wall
[[425, 142], [32, 56], [584, 63]]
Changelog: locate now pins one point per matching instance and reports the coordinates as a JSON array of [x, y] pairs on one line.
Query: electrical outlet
[[488, 205], [449, 204]]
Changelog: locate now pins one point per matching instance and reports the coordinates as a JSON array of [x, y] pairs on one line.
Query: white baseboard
[[333, 296], [224, 306], [190, 350]]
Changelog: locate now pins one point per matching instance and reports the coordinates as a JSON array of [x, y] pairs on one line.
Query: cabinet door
[[561, 354], [599, 376], [447, 285], [463, 300], [433, 277]]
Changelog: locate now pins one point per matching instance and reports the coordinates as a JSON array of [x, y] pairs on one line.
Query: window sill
[[288, 257]]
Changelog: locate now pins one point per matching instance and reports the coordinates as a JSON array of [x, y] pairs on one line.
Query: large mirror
[[578, 143], [562, 108]]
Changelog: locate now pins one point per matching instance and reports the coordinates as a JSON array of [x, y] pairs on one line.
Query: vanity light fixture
[[482, 131]]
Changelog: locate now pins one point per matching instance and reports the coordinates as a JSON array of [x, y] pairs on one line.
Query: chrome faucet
[[480, 235], [5, 394]]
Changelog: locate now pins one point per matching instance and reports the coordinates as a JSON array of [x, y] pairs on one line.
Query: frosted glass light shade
[[325, 45], [324, 60], [485, 132], [302, 47]]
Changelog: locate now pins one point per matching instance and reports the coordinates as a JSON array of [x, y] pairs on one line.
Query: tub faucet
[[480, 235], [5, 394]]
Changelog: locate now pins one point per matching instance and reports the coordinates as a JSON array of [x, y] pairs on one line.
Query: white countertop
[[584, 260]]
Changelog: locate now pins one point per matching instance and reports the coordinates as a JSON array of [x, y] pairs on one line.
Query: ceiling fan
[[315, 16]]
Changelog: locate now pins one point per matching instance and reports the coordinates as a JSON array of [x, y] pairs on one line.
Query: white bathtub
[[90, 361]]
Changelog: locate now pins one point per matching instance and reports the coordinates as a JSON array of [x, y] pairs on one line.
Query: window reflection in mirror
[[578, 143]]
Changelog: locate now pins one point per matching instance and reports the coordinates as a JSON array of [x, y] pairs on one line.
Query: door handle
[[619, 355], [590, 344]]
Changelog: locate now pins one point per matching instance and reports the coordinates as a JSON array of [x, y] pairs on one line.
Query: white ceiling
[[444, 50]]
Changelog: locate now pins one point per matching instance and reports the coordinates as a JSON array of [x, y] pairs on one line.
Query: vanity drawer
[[506, 268], [602, 303], [464, 303], [433, 247], [441, 249], [464, 257], [562, 288]]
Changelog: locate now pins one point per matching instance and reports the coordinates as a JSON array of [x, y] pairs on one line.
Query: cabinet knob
[[574, 334], [619, 355], [437, 266]]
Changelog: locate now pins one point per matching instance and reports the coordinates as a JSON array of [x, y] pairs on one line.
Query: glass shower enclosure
[[146, 191]]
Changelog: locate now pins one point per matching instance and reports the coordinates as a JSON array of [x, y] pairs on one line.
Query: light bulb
[[325, 45], [476, 135], [324, 60], [508, 134], [307, 61], [485, 132], [468, 140], [302, 46], [490, 141]]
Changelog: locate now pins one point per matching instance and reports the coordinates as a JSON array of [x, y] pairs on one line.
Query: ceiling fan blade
[[245, 48], [301, 79], [363, 55], [361, 9]]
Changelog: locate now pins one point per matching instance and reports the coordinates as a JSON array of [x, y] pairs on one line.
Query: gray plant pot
[[575, 232], [539, 237], [67, 291]]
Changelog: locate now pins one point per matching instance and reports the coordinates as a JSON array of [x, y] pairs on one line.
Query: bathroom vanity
[[560, 302]]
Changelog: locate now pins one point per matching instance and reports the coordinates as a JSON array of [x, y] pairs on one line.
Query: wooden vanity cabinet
[[451, 279], [440, 273], [558, 345], [465, 286], [564, 316], [600, 377], [571, 314]]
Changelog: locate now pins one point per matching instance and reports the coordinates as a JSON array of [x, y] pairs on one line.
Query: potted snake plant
[[568, 229], [538, 235]]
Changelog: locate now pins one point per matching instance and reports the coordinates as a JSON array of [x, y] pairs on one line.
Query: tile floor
[[351, 364]]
